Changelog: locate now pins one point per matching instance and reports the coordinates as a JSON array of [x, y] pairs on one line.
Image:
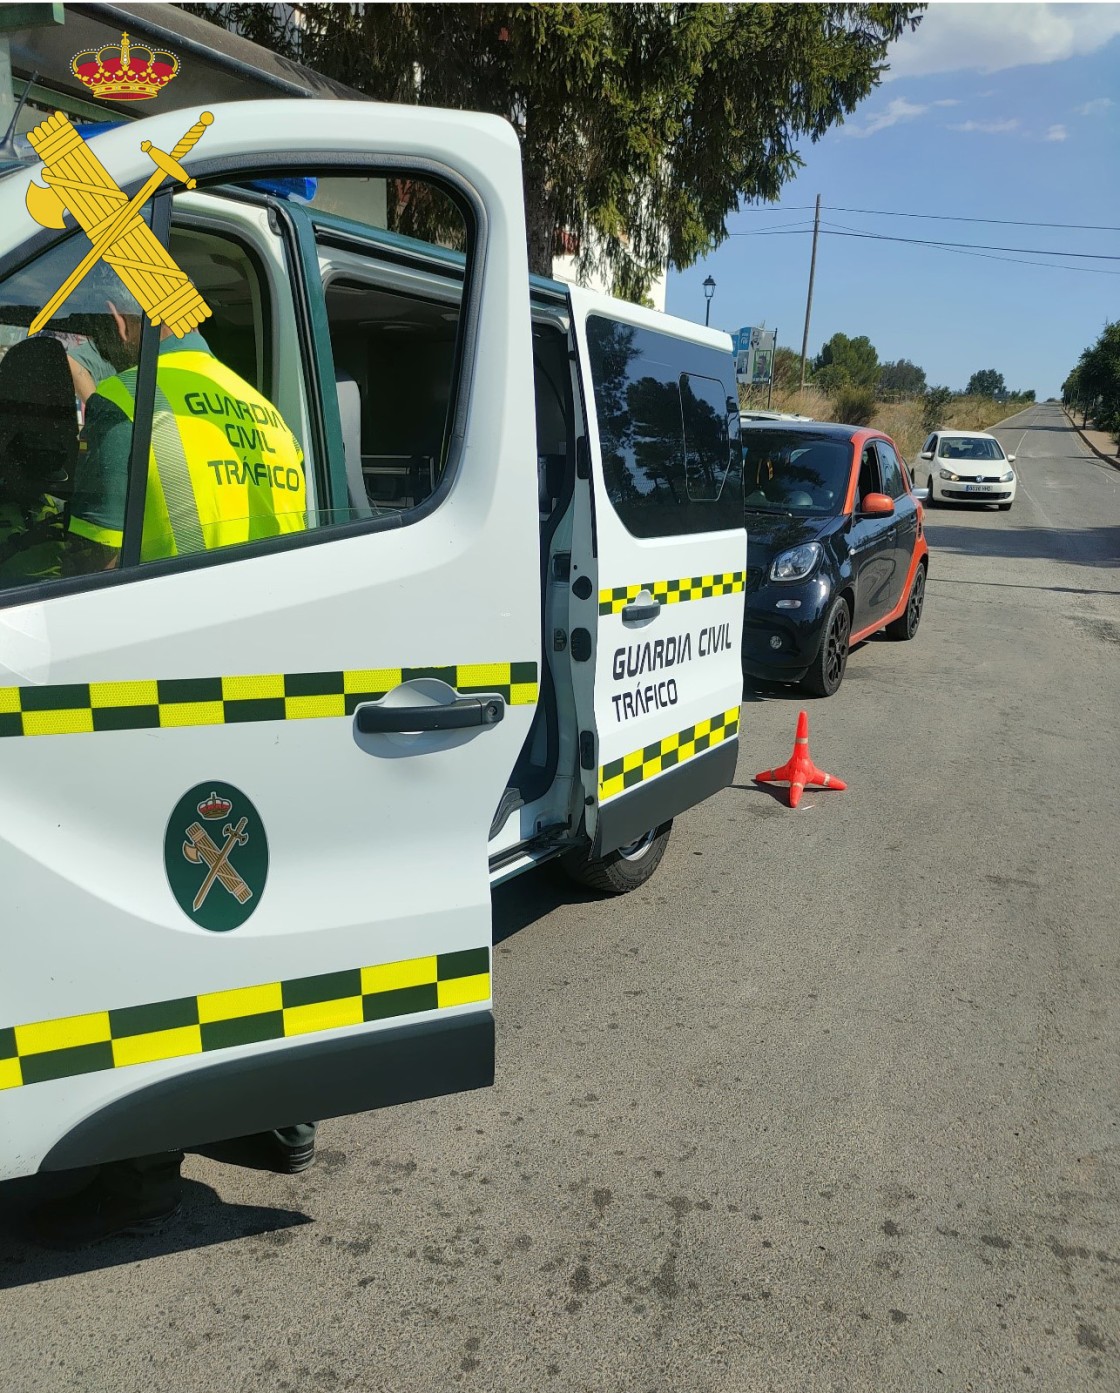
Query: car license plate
[[977, 488]]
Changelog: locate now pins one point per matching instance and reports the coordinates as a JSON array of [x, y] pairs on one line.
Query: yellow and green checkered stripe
[[115, 1039], [621, 774], [673, 592], [78, 708]]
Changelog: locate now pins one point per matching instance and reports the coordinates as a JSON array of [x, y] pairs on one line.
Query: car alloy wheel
[[836, 647], [917, 599]]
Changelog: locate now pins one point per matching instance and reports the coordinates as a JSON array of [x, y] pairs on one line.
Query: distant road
[[1064, 489]]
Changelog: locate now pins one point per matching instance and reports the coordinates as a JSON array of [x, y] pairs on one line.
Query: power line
[[982, 246], [937, 217], [969, 246], [965, 249], [833, 231]]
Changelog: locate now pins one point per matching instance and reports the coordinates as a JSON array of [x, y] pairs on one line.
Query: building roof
[[215, 65]]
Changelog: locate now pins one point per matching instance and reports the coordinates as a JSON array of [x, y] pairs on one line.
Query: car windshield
[[786, 471], [969, 447]]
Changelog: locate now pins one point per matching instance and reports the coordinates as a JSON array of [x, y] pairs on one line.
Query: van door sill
[[518, 859]]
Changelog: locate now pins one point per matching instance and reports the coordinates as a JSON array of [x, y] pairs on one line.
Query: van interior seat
[[350, 414], [38, 418]]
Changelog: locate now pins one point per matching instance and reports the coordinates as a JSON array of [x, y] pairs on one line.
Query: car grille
[[975, 497]]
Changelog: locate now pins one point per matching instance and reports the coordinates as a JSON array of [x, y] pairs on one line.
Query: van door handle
[[375, 718], [636, 612], [642, 606]]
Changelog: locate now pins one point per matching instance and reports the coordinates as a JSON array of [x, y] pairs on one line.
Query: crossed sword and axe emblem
[[76, 182], [199, 847]]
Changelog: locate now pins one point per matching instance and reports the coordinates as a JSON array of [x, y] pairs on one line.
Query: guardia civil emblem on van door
[[216, 854]]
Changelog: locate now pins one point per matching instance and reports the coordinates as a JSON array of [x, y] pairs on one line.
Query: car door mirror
[[927, 454], [1010, 459], [922, 495], [877, 505]]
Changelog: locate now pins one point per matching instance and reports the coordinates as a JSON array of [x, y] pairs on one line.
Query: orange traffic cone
[[799, 769]]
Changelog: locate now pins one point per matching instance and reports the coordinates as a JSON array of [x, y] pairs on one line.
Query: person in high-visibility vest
[[223, 468]]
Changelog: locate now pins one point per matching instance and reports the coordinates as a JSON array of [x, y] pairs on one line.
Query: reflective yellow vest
[[223, 467]]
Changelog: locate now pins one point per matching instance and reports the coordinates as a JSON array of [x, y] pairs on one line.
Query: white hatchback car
[[969, 466]]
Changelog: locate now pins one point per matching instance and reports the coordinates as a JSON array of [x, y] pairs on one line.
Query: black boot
[[124, 1197], [295, 1147]]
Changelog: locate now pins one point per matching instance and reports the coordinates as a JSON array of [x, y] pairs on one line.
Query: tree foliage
[[845, 362], [986, 383], [1093, 387], [903, 377], [787, 369], [641, 126]]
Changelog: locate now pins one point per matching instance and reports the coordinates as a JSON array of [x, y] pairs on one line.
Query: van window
[[669, 442], [394, 278], [46, 382], [707, 426]]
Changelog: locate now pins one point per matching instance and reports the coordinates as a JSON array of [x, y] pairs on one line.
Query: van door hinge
[[587, 749], [562, 565]]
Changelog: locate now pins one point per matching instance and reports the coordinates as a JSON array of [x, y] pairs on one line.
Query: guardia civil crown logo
[[125, 72]]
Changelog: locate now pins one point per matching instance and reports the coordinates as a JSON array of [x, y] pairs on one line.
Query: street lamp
[[709, 291]]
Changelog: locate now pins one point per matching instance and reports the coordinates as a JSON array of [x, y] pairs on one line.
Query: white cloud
[[988, 127], [947, 101], [1057, 133], [990, 38], [898, 110], [1097, 107]]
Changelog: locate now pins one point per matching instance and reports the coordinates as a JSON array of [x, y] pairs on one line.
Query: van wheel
[[623, 870]]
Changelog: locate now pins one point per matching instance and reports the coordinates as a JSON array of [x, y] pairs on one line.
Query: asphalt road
[[832, 1104]]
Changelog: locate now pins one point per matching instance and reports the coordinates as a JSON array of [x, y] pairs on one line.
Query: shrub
[[854, 406], [936, 403]]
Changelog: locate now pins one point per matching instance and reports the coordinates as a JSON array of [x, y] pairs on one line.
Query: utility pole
[[809, 301]]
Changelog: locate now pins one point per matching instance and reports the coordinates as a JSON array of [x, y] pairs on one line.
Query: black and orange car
[[836, 548]]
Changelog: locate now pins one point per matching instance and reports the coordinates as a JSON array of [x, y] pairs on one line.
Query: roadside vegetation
[[1092, 390], [846, 382]]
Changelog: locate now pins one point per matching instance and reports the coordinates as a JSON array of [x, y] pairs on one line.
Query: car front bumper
[[966, 491], [779, 644]]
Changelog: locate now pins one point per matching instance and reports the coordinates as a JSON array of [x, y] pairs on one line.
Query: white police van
[[254, 797]]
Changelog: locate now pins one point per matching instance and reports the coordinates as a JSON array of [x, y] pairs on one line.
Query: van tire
[[619, 871]]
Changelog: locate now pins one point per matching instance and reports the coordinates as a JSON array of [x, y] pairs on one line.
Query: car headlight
[[796, 563], [1006, 478], [948, 474]]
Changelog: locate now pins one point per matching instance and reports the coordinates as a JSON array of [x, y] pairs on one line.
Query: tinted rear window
[[786, 471], [670, 444]]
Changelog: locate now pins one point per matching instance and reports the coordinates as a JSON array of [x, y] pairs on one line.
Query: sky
[[1008, 111]]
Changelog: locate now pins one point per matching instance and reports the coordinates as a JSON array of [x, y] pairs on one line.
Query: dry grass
[[901, 420], [978, 413], [811, 402]]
